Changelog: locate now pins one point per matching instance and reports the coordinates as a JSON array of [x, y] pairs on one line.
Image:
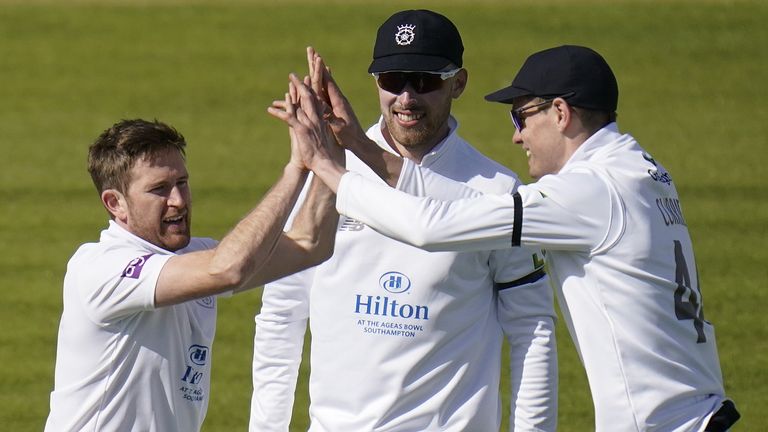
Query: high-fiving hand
[[313, 145], [344, 124], [336, 108]]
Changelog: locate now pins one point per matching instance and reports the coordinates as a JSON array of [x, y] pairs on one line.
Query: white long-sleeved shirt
[[620, 255], [408, 340]]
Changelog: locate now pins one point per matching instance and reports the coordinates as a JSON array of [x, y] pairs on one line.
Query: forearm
[[309, 241], [314, 227], [249, 245], [232, 264], [329, 171], [385, 164]]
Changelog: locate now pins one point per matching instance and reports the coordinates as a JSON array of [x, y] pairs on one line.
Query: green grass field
[[692, 80]]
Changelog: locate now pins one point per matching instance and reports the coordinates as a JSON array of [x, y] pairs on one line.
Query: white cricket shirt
[[407, 340], [122, 364], [618, 250]]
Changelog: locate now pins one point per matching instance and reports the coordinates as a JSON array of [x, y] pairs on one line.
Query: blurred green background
[[692, 80]]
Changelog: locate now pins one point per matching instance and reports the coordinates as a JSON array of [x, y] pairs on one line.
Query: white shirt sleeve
[[277, 351], [577, 210], [118, 283], [525, 310], [277, 346], [573, 211], [471, 224], [526, 314]]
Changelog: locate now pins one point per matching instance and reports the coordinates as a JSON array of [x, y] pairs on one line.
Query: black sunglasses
[[518, 119], [421, 82]]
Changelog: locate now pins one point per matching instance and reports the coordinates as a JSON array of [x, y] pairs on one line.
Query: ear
[[459, 83], [116, 204], [564, 113]]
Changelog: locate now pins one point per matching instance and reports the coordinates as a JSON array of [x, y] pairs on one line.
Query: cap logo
[[405, 34]]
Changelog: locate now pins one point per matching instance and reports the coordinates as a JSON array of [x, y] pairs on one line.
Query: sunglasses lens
[[393, 82], [426, 82], [421, 82], [516, 120]]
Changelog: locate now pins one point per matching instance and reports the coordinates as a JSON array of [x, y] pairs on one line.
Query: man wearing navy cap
[[610, 220], [403, 339]]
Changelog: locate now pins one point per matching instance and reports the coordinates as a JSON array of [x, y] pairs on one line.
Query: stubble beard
[[424, 133], [160, 235]]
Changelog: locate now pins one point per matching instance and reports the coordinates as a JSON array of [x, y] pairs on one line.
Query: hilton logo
[[395, 282], [198, 354]]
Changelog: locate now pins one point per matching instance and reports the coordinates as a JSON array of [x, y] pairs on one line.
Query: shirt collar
[[117, 232], [374, 132], [595, 143]]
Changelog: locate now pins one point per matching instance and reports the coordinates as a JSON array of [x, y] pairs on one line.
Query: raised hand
[[289, 107], [311, 139], [336, 108], [344, 124]]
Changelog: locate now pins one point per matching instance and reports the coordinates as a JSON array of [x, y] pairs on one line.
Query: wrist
[[293, 169], [330, 172], [354, 139]]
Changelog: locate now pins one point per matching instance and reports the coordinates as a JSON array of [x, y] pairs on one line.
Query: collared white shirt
[[121, 363]]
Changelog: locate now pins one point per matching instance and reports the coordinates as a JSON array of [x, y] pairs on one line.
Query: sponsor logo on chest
[[388, 313]]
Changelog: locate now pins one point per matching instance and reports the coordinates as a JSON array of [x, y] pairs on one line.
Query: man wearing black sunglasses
[[609, 218], [403, 339]]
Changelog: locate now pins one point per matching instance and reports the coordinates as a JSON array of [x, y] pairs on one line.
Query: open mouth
[[174, 220], [403, 117]]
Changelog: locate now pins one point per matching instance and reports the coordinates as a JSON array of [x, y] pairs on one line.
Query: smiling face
[[416, 122], [156, 205], [541, 139]]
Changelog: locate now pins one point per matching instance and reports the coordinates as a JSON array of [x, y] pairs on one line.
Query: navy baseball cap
[[565, 69], [416, 41]]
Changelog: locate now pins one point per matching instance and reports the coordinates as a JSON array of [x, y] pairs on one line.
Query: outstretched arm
[[480, 223], [240, 260], [310, 239], [241, 253], [282, 321]]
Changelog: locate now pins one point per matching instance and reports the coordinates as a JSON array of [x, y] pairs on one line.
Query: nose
[[517, 137], [406, 96], [177, 198]]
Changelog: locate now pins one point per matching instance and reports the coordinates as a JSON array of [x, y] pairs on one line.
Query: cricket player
[[403, 339], [135, 340], [609, 218]]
